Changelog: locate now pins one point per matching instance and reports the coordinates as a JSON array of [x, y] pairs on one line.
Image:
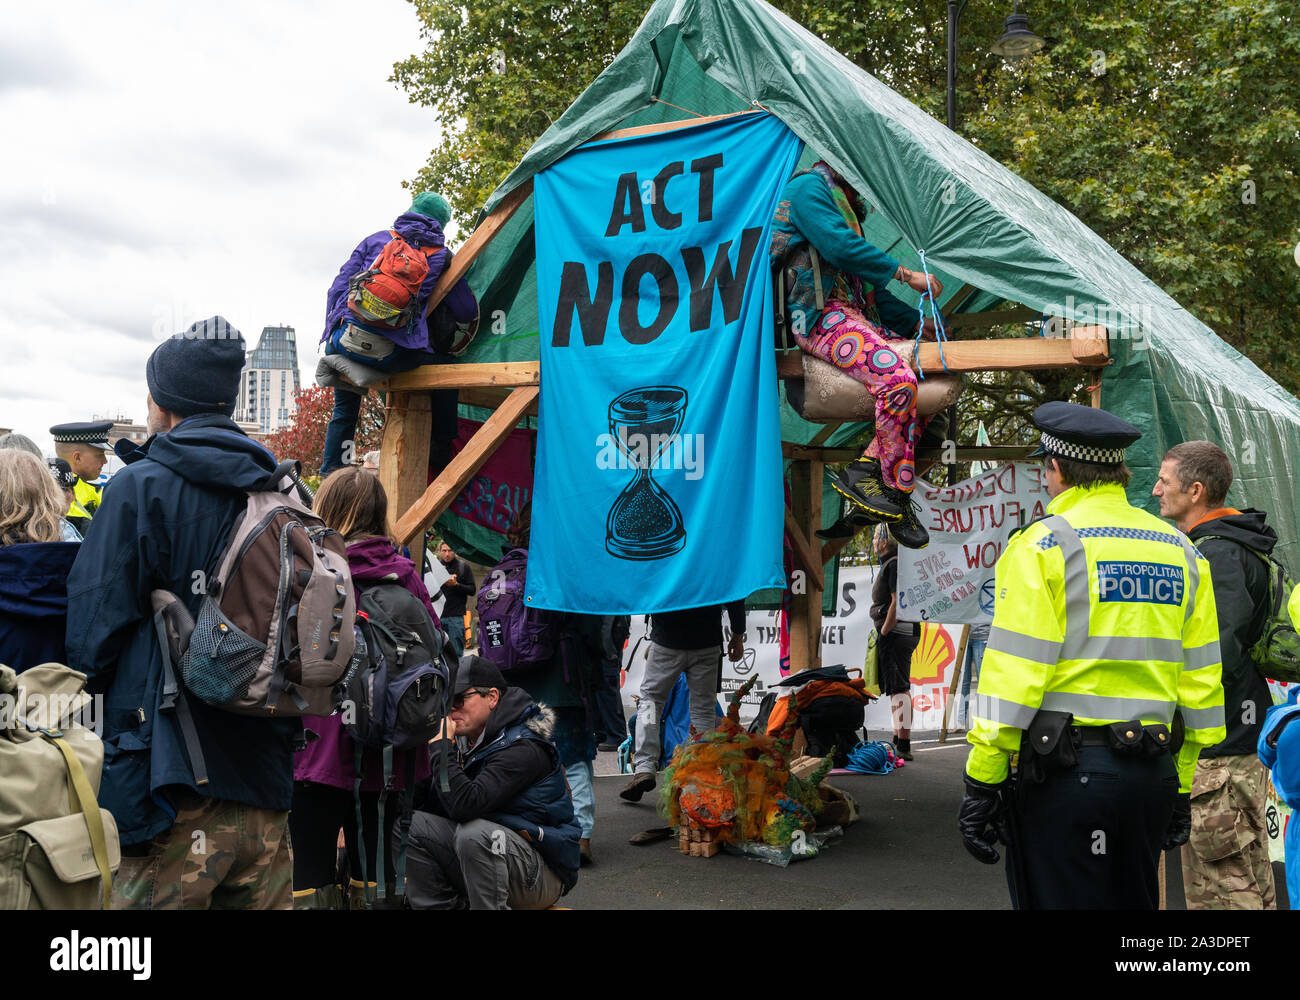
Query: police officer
[[83, 447], [1103, 655]]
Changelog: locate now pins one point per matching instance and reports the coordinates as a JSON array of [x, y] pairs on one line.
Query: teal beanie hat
[[433, 205]]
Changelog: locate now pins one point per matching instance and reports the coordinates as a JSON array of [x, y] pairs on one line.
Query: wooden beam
[[657, 127], [973, 453], [1089, 345], [806, 607], [804, 556], [404, 451], [1001, 355], [501, 373], [998, 317], [438, 497], [954, 303], [479, 239]]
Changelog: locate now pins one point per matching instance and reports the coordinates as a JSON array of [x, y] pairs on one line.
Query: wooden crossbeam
[[468, 376], [1084, 349], [999, 317], [480, 238], [954, 303], [438, 497], [974, 453], [1006, 354], [657, 127]]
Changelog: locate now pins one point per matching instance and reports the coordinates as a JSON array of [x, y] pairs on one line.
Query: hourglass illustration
[[645, 522]]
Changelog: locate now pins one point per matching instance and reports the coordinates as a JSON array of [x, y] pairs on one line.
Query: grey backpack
[[274, 631]]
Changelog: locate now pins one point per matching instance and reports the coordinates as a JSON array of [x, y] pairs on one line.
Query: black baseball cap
[[476, 672]]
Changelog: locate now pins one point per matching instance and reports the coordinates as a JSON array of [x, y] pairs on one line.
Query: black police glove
[[1180, 825], [978, 820]]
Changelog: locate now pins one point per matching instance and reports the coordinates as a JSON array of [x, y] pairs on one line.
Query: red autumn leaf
[[304, 437]]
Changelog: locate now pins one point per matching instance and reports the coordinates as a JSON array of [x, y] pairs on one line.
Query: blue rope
[[941, 335], [870, 758]]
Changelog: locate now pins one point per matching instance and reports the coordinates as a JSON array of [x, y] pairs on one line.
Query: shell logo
[[932, 655]]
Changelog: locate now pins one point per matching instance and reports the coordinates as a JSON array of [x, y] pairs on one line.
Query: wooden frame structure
[[511, 390]]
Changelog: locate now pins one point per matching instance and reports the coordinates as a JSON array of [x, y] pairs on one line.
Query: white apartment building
[[269, 380]]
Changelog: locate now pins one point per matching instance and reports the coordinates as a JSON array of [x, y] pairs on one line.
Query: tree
[[1171, 128], [497, 74], [304, 438]]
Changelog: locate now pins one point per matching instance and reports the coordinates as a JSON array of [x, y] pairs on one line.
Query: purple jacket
[[329, 759], [420, 231]]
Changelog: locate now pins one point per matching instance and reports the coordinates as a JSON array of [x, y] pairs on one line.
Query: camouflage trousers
[[218, 855], [1225, 863]]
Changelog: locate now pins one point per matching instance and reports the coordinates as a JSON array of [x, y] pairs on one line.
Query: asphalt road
[[903, 853]]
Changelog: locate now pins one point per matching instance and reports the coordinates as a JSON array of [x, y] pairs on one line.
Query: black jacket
[[163, 518], [1241, 596], [514, 777], [696, 628], [457, 593]]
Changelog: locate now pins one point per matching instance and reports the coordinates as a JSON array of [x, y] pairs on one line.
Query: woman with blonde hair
[[34, 563], [352, 502]]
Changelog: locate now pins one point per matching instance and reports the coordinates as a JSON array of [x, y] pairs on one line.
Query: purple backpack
[[512, 635]]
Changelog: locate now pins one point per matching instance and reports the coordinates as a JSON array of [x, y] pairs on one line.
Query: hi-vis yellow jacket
[[1104, 611], [85, 500]]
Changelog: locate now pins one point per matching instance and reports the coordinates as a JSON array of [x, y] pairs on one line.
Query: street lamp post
[[1017, 41]]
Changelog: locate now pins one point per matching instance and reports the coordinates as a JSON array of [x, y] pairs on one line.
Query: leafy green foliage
[[497, 74], [1145, 120]]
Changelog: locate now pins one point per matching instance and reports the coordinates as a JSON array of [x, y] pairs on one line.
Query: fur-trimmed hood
[[517, 706]]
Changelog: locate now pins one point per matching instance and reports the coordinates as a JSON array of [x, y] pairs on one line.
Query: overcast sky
[[165, 162]]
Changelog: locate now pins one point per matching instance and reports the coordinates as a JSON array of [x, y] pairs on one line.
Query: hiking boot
[[638, 786], [847, 526], [861, 484], [903, 747], [584, 852], [908, 531]]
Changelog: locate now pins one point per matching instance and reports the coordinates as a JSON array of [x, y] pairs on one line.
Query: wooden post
[[1090, 342], [404, 453], [956, 676], [806, 608]]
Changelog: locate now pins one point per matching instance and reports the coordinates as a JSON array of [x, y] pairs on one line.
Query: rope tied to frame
[[941, 335]]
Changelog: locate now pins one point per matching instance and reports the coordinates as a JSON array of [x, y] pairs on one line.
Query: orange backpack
[[385, 293]]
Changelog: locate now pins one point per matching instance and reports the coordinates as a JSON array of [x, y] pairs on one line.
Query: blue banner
[[658, 481]]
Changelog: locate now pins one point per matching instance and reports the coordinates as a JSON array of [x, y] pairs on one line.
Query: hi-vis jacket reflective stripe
[[1106, 612]]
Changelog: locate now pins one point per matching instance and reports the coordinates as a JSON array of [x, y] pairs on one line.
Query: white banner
[[951, 579], [844, 640]]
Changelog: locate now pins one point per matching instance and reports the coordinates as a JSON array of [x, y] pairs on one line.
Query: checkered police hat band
[[1081, 452]]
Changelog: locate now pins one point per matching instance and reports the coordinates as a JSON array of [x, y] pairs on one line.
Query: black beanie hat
[[198, 371]]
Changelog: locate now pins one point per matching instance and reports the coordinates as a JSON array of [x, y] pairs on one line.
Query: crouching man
[[504, 834]]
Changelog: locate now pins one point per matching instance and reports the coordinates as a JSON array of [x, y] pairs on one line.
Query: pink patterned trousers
[[855, 345]]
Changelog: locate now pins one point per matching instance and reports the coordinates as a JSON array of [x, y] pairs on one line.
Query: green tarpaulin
[[930, 191]]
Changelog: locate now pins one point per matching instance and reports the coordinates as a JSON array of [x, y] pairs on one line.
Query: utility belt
[[1052, 741]]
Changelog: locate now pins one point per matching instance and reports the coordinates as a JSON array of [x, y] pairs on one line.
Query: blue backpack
[[674, 727]]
